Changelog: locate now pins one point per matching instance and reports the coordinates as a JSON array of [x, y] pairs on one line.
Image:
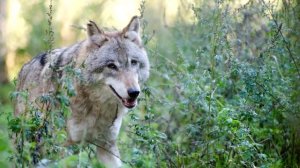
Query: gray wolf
[[113, 65]]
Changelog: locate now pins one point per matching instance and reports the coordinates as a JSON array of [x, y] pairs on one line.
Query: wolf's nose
[[133, 93]]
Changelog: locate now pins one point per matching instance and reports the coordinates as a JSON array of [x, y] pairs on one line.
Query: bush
[[225, 93]]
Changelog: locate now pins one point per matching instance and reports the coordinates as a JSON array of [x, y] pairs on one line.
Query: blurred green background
[[224, 85]]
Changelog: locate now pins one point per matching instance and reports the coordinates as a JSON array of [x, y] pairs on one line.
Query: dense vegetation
[[224, 92]]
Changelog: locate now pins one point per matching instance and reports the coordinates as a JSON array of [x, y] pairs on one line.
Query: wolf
[[113, 64]]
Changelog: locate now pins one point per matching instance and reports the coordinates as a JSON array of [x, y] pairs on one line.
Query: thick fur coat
[[113, 65]]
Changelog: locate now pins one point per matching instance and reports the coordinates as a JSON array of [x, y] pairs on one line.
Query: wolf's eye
[[112, 66], [134, 62]]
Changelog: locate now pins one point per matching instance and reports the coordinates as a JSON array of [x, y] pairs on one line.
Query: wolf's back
[[36, 77]]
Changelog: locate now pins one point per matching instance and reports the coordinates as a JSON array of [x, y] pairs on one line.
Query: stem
[[110, 152], [287, 44]]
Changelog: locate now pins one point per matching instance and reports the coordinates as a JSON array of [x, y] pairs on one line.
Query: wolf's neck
[[98, 112], [98, 102]]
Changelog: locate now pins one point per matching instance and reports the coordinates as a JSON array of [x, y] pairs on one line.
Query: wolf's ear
[[132, 30], [95, 35], [134, 25], [93, 29]]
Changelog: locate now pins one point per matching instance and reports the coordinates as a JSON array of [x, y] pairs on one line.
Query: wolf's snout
[[133, 93]]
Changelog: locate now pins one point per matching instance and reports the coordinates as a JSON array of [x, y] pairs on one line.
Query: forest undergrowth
[[223, 92]]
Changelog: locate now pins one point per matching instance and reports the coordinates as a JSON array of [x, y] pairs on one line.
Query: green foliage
[[222, 97], [225, 93]]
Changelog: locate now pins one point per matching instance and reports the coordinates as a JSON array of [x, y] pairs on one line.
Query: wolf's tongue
[[129, 103]]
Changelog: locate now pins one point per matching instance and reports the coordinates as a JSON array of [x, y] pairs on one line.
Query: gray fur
[[111, 63]]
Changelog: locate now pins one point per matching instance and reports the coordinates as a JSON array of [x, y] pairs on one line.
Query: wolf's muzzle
[[133, 93], [115, 92], [128, 102]]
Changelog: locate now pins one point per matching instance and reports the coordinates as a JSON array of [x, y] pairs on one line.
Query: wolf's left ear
[[132, 30], [134, 25]]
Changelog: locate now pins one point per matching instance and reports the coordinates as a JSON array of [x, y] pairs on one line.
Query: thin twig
[[110, 152]]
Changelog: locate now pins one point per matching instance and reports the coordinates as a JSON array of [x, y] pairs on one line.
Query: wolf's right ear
[[96, 36], [93, 29]]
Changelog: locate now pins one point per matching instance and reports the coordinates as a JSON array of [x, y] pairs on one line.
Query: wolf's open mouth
[[129, 103]]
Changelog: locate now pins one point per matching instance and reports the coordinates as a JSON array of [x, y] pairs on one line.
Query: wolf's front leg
[[109, 157]]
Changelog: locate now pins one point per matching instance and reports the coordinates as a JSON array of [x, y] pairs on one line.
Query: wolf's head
[[117, 61]]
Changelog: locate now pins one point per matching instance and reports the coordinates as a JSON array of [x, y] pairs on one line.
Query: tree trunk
[[3, 73]]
